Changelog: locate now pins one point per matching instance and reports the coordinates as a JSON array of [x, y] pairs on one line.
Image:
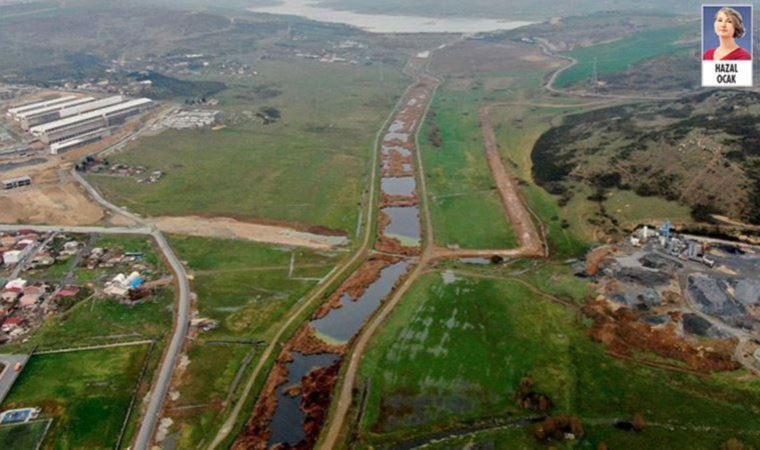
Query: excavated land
[[230, 228], [621, 332], [695, 307], [61, 204], [516, 212]]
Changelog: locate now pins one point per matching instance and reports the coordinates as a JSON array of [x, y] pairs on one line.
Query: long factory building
[[14, 112], [86, 123], [71, 121], [63, 110]]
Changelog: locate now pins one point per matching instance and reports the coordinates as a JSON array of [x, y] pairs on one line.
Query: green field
[[632, 209], [310, 167], [87, 393], [464, 206], [452, 354], [246, 287], [23, 436], [622, 54]]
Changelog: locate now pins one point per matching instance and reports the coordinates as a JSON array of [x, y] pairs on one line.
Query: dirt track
[[225, 228]]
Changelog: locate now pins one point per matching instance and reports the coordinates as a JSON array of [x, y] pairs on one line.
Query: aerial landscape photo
[[379, 224]]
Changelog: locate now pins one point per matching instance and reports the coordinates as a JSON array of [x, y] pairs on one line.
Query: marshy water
[[343, 323], [398, 185], [287, 422], [405, 222]]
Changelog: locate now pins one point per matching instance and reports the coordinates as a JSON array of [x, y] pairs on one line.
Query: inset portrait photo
[[727, 45]]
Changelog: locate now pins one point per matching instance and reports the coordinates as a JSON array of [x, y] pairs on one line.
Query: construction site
[[690, 298]]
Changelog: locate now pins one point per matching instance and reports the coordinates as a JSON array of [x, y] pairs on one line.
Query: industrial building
[[67, 109], [14, 183], [71, 121], [13, 112], [85, 124], [37, 116]]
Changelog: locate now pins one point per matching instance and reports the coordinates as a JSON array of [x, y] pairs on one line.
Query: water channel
[[343, 323], [287, 422]]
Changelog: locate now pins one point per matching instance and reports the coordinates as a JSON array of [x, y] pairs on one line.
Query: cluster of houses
[[127, 287], [24, 305], [26, 299], [101, 165]]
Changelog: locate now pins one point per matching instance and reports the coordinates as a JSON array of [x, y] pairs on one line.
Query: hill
[[701, 150]]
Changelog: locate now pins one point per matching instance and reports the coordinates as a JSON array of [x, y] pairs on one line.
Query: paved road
[[8, 375], [182, 322], [82, 230]]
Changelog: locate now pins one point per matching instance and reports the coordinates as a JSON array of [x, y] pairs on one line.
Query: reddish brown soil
[[307, 343], [398, 200], [316, 390], [595, 258], [394, 163], [256, 433], [622, 333], [393, 245], [356, 284]]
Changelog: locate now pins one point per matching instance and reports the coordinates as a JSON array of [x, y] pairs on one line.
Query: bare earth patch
[[225, 228], [66, 204]]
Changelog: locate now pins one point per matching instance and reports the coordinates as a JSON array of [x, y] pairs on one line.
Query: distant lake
[[381, 23]]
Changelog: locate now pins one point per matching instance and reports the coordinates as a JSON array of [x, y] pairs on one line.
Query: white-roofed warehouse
[[75, 126]]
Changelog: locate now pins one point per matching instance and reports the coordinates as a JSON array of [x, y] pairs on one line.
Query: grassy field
[[451, 354], [86, 392], [632, 209], [246, 287], [23, 436], [622, 54], [458, 178], [101, 321], [310, 167]]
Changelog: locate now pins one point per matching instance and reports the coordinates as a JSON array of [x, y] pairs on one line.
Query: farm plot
[[87, 393]]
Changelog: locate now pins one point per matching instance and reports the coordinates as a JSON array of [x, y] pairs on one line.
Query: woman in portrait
[[728, 26]]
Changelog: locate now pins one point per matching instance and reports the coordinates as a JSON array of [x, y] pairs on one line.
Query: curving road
[[182, 316]]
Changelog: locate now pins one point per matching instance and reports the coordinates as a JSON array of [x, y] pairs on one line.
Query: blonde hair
[[736, 18]]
